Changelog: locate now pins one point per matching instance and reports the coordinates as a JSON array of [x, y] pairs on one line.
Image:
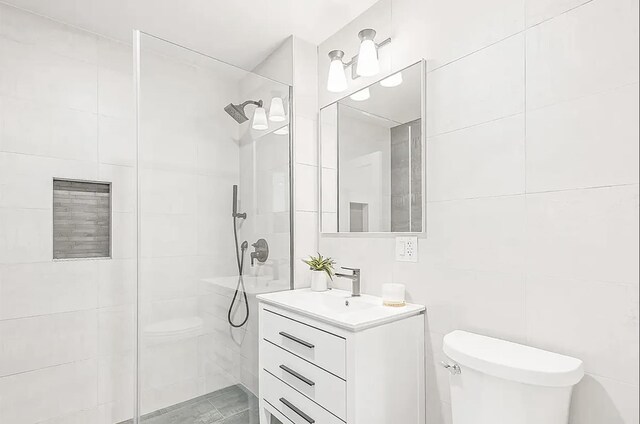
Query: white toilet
[[498, 382]]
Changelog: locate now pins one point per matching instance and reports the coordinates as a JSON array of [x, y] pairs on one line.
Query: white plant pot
[[319, 281]]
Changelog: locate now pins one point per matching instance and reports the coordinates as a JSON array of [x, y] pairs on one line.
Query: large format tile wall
[[66, 327], [532, 186], [305, 136]]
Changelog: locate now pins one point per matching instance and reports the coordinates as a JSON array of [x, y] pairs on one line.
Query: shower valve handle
[[261, 251]]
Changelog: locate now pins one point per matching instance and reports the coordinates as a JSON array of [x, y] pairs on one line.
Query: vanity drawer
[[315, 383], [326, 350], [292, 404]]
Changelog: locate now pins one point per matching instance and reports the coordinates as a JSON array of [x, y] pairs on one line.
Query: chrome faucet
[[355, 280]]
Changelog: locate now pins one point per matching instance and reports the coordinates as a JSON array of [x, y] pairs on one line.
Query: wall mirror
[[372, 157]]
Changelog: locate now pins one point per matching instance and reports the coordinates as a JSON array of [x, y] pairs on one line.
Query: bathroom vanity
[[330, 358]]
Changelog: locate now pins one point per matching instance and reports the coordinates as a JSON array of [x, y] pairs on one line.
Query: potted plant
[[322, 271]]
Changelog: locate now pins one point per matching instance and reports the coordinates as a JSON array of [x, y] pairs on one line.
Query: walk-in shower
[[199, 271]]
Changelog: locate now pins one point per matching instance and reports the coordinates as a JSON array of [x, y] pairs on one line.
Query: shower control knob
[[261, 251]]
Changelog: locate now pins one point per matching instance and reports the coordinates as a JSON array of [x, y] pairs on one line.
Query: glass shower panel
[[214, 203]]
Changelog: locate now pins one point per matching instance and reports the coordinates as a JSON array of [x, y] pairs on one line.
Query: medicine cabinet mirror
[[372, 157]]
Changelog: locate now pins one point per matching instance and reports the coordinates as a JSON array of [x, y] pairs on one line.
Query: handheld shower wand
[[235, 213], [240, 250]]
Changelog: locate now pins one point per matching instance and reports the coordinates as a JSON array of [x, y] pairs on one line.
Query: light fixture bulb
[[260, 119], [337, 80], [392, 80], [282, 131], [276, 111], [368, 64], [361, 95]]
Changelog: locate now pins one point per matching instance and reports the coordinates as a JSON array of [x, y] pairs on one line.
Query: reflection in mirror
[[372, 157]]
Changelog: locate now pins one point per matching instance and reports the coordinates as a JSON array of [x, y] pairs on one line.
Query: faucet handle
[[355, 270]]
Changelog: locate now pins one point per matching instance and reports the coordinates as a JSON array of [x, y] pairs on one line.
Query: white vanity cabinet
[[327, 358]]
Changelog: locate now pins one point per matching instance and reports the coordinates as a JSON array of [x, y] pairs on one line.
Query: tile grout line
[[525, 29], [500, 196]]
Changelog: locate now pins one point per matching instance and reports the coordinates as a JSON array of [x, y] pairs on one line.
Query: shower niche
[[372, 157]]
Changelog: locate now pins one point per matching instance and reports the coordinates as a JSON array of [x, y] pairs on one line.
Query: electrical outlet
[[407, 249]]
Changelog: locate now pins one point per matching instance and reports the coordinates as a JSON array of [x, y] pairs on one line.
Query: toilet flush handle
[[453, 369]]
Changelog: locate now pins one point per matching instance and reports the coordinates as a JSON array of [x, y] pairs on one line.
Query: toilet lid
[[512, 361]]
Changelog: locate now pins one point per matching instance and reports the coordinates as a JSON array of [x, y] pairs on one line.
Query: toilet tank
[[500, 382]]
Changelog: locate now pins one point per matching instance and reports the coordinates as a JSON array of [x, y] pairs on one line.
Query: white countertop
[[330, 306]]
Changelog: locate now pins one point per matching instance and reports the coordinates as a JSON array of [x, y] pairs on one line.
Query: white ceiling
[[241, 32]]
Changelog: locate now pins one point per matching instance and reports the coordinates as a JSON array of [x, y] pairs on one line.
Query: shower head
[[237, 111]]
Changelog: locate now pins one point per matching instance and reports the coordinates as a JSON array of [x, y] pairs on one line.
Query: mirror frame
[[423, 118]]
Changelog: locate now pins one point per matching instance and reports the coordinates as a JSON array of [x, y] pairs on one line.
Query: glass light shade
[[260, 119], [276, 111], [361, 95], [392, 81], [337, 81], [368, 64], [282, 131]]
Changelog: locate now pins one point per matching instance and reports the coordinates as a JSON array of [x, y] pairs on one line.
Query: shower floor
[[231, 405]]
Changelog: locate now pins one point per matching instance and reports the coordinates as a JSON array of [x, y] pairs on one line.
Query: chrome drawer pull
[[297, 375], [297, 340], [297, 411]]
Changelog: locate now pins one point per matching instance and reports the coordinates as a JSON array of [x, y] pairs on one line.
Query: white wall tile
[[67, 83], [116, 282], [48, 288], [460, 27], [591, 321], [158, 186], [26, 235], [116, 330], [115, 94], [123, 186], [479, 88], [48, 35], [601, 400], [541, 10], [306, 234], [486, 234], [47, 340], [116, 378], [168, 235], [26, 181], [306, 188], [116, 141], [306, 141], [61, 132], [586, 142], [591, 49], [484, 160], [584, 234], [123, 235], [115, 56], [49, 392]]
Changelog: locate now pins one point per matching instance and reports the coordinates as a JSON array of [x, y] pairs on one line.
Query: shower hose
[[240, 286]]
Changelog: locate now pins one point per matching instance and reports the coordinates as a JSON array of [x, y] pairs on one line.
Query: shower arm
[[258, 103]]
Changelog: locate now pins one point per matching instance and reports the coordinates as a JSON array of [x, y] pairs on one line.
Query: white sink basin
[[339, 308]]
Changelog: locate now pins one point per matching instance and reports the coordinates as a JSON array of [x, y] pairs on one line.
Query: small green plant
[[318, 263]]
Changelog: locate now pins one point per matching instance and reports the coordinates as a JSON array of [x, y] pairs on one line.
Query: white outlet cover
[[407, 249]]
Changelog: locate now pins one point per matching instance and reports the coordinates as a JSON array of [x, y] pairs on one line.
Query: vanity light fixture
[[276, 111], [361, 95], [260, 119], [337, 81], [392, 80], [364, 64], [368, 64]]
